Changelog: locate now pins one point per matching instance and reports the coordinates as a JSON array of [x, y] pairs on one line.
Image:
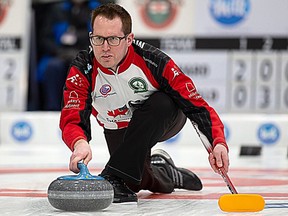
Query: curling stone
[[82, 192]]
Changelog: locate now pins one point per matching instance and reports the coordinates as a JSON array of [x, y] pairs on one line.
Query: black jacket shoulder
[[155, 59], [84, 61]]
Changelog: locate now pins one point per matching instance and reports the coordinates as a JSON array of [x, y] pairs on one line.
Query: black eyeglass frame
[[106, 39]]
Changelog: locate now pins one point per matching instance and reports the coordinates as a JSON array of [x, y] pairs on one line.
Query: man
[[140, 97]]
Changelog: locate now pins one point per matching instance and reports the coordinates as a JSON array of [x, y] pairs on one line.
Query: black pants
[[157, 120]]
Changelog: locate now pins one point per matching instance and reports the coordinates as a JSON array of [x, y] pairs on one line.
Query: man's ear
[[130, 38]]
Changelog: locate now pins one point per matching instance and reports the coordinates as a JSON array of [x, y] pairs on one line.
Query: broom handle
[[208, 147]]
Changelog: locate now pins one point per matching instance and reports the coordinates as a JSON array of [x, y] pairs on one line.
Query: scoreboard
[[236, 51], [235, 74]]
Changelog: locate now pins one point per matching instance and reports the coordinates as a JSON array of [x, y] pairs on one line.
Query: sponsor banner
[[26, 128], [42, 129], [240, 17], [256, 129], [14, 52], [242, 130], [38, 128], [155, 18]]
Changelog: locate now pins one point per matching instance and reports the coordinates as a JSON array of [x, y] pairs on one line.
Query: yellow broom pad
[[241, 203]]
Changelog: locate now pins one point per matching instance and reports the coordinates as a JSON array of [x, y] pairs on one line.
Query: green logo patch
[[138, 84]]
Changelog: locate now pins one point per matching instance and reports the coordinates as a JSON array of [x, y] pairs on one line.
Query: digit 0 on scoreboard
[[267, 84]]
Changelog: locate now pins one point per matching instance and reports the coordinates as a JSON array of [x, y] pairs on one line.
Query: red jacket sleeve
[[76, 108]]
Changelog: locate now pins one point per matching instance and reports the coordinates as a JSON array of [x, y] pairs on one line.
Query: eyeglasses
[[111, 40]]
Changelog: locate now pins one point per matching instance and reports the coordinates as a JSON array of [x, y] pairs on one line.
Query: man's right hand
[[82, 151]]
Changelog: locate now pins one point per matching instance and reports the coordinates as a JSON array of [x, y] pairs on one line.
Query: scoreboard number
[[241, 79], [9, 68], [9, 80], [266, 82]]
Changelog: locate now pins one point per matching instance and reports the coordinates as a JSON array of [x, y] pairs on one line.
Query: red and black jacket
[[111, 96]]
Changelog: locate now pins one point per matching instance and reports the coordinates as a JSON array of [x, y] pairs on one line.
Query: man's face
[[110, 56]]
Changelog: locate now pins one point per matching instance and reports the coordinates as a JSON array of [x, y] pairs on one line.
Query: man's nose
[[105, 45]]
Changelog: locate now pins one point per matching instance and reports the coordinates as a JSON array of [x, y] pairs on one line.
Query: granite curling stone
[[82, 192]]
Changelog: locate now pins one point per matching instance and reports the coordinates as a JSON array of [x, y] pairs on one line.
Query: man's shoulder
[[155, 58], [84, 61], [145, 48]]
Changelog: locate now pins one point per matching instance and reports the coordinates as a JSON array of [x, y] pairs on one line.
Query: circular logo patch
[[268, 133], [105, 89], [229, 12], [138, 84], [158, 13], [21, 131]]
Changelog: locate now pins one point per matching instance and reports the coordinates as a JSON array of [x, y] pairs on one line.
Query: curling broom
[[233, 202]]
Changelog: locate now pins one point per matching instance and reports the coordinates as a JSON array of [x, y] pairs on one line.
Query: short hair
[[111, 11]]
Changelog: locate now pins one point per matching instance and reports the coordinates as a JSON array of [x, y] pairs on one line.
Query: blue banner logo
[[229, 12], [268, 133], [21, 131]]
